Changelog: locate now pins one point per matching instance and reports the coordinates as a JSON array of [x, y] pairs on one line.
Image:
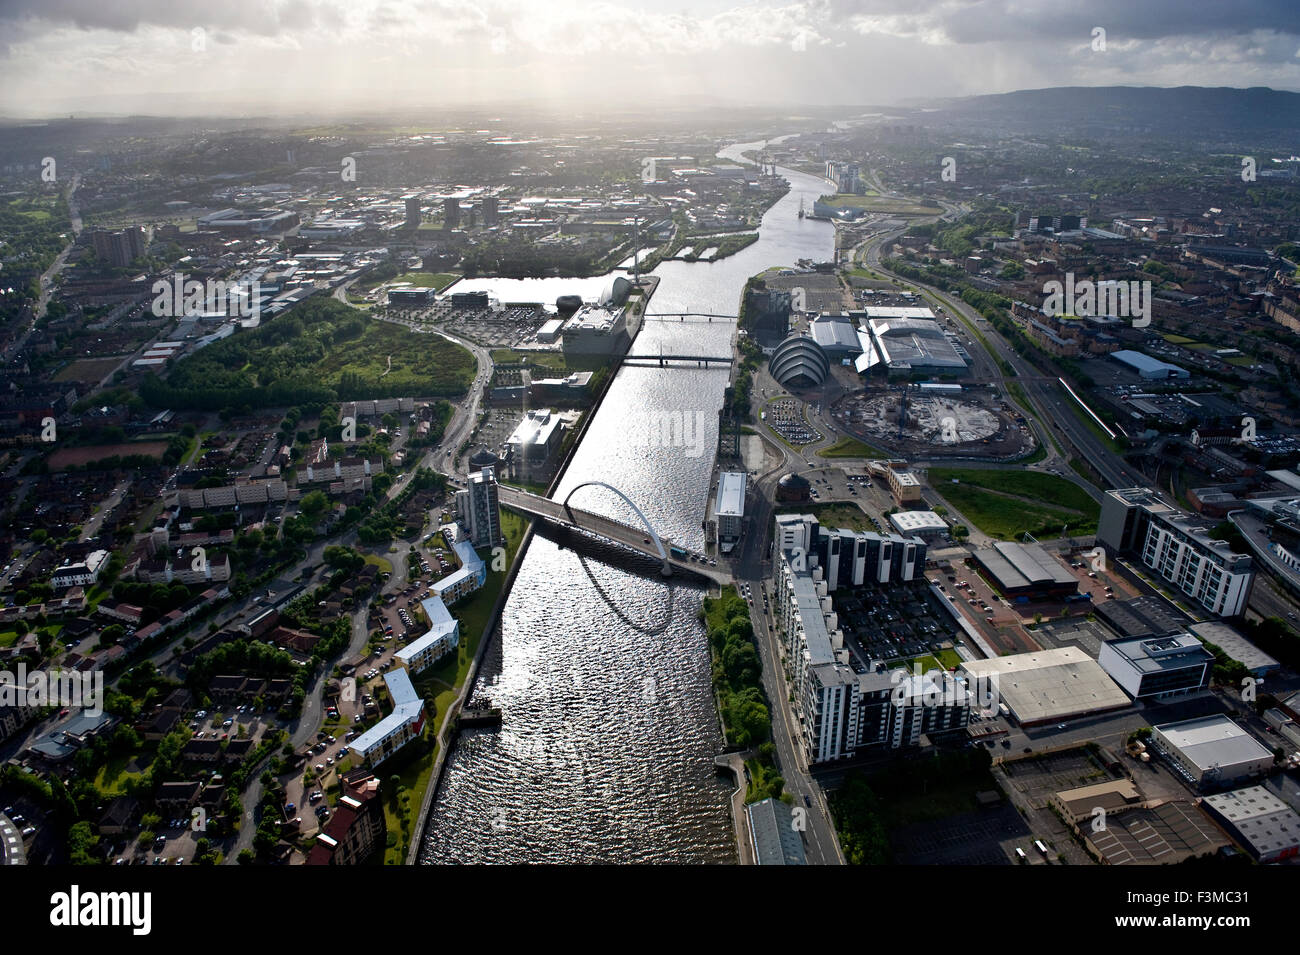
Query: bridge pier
[[666, 569]]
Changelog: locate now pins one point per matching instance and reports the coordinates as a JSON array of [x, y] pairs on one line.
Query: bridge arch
[[654, 535]]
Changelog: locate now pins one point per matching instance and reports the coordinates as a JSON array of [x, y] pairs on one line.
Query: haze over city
[[192, 57], [735, 433]]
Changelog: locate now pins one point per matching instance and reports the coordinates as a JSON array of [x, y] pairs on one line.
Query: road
[[1048, 400], [48, 276]]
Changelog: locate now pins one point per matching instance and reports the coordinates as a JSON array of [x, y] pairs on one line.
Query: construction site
[[914, 421]]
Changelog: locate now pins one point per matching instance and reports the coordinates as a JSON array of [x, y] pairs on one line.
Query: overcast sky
[[221, 56]]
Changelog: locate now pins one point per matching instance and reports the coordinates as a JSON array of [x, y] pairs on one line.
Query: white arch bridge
[[643, 540]]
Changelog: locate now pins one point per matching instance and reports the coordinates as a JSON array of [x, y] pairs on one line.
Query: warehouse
[[1024, 571], [1211, 750], [923, 524], [1152, 369], [1045, 686], [836, 335], [1229, 639], [1262, 824]]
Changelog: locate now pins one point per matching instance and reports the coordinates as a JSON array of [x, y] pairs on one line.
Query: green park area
[[938, 660], [848, 516], [877, 203], [322, 351], [1008, 504]]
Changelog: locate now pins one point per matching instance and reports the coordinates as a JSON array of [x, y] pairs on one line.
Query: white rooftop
[[731, 494], [1050, 684]]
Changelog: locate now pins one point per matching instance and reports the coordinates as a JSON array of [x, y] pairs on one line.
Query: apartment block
[[1178, 548]]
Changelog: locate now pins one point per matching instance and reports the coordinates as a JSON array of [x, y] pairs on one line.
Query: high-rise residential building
[[1177, 547], [839, 710], [479, 510], [451, 213], [119, 249], [412, 212], [491, 211]]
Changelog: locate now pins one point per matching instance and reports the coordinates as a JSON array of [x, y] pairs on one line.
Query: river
[[606, 749]]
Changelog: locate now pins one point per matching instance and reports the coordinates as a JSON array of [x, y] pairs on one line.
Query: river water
[[606, 749]]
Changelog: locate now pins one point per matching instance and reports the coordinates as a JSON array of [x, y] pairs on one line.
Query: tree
[[313, 504], [81, 844]]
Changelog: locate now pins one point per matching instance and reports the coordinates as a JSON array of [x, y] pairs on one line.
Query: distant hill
[[1197, 114]]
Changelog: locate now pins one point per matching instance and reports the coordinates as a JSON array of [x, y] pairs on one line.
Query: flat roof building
[[1211, 750], [536, 438], [729, 509], [1262, 824], [1048, 685], [905, 485], [1230, 640], [918, 523], [1158, 667], [836, 335]]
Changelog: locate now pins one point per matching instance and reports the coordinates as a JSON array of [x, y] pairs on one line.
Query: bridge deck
[[633, 538]]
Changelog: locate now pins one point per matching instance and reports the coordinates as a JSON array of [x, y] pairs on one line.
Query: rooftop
[[1212, 741], [1050, 684], [731, 494]]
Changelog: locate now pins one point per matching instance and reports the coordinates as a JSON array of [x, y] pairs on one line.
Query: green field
[[851, 448], [421, 364], [434, 280], [321, 350], [1007, 504], [880, 204], [834, 515]]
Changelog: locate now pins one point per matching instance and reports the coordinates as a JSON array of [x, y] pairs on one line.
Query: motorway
[[1047, 399], [1051, 405]]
